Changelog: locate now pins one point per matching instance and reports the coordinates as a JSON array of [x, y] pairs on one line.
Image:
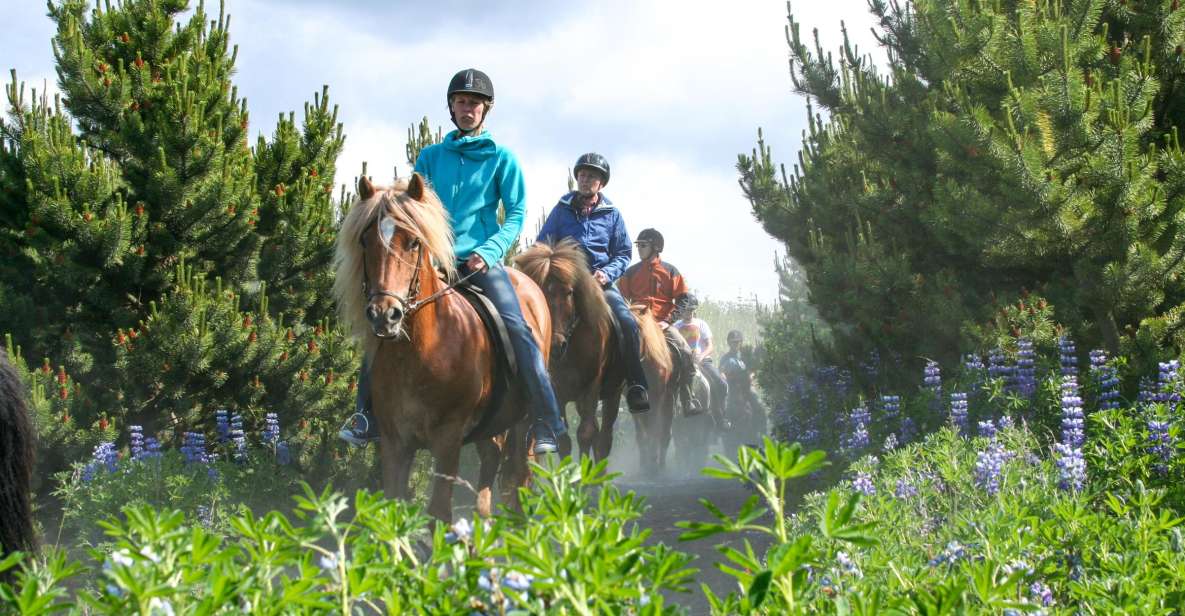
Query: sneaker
[[636, 399], [544, 440], [359, 430], [691, 406]]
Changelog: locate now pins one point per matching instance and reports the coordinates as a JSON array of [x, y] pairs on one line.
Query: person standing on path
[[472, 174]]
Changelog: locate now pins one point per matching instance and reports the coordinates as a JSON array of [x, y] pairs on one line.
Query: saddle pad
[[505, 365]]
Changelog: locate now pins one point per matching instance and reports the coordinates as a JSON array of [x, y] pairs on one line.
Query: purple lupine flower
[[151, 448], [1041, 594], [958, 412], [987, 429], [858, 439], [1026, 368], [1071, 467], [1160, 443], [989, 464], [271, 428], [1106, 379], [104, 457], [846, 565], [136, 441], [1072, 418], [908, 430], [1067, 356], [193, 447], [222, 425], [890, 442], [905, 489], [998, 368], [238, 438], [890, 407], [1169, 382], [863, 484], [932, 375], [1005, 422], [1147, 395], [872, 365], [205, 516], [953, 553]]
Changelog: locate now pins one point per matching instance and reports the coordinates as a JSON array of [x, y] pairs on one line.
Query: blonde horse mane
[[654, 341], [566, 263], [426, 220]]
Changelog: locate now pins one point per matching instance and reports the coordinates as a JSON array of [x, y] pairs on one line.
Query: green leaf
[[759, 588]]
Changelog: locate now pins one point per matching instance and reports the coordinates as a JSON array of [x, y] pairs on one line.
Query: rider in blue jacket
[[471, 174], [588, 217]]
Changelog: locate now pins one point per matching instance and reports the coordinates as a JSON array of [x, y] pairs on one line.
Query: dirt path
[[675, 500]]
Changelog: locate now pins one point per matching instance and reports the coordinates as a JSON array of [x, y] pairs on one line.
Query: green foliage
[[573, 550], [1006, 146], [168, 268]]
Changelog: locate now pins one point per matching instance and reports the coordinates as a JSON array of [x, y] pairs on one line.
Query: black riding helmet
[[687, 302], [592, 160], [736, 336], [652, 236], [468, 81]]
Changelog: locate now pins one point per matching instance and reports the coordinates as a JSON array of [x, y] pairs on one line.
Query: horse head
[[390, 238], [573, 296]]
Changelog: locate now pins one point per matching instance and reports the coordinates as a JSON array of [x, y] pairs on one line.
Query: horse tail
[[16, 464], [654, 342]]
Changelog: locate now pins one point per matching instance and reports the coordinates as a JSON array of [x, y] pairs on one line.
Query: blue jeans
[[532, 370], [632, 353]]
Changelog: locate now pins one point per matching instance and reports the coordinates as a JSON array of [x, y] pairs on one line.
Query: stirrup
[[636, 399], [358, 430]]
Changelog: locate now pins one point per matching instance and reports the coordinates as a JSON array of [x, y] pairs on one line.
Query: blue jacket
[[471, 175], [602, 234]]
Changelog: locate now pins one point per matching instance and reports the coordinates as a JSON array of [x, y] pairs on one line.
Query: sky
[[669, 91]]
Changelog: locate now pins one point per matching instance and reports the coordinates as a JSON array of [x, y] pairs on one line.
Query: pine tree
[[1011, 147], [168, 267]]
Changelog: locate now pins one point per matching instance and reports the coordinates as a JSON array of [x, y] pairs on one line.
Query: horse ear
[[415, 187], [365, 188]]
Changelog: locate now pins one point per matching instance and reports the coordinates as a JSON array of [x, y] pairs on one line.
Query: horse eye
[[387, 229]]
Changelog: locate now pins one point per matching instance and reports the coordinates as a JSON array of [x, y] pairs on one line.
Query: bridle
[[408, 302]]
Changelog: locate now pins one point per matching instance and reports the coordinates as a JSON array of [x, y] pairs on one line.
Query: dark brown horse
[[585, 363], [432, 362], [16, 465]]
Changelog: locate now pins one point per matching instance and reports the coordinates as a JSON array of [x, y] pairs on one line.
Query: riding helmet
[[471, 81], [735, 336], [652, 236], [687, 302], [592, 160]]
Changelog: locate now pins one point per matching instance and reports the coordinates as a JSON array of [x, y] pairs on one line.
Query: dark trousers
[[532, 371], [632, 353], [717, 383]]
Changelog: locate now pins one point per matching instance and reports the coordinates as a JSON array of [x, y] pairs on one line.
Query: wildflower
[[905, 489], [222, 425], [1160, 444], [858, 439], [1106, 378], [1041, 594], [160, 607], [1147, 393], [1071, 467], [908, 430], [461, 530], [958, 411], [205, 516], [1018, 565], [103, 457], [987, 429], [238, 438], [890, 442], [890, 406], [136, 440], [1169, 382], [1072, 417], [1068, 356], [846, 565], [193, 447], [953, 553], [871, 366], [327, 562], [989, 465], [998, 367], [518, 582], [1005, 422], [863, 484], [1026, 370], [151, 448], [973, 368], [271, 429]]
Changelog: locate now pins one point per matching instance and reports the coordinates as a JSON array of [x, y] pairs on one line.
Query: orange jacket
[[653, 282]]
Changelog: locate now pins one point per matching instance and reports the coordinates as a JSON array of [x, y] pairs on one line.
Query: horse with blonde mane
[[585, 358], [431, 358]]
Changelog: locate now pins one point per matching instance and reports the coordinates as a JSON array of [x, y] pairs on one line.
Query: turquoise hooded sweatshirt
[[471, 175]]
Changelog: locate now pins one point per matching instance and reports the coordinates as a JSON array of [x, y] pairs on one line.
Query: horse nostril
[[371, 313], [394, 314]]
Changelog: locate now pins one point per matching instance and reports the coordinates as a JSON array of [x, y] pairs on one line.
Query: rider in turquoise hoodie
[[470, 173]]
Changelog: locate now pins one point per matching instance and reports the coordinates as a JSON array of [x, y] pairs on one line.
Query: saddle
[[505, 363]]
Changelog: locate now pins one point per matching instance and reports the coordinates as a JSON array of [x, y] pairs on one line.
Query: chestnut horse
[[431, 359], [16, 465], [585, 363]]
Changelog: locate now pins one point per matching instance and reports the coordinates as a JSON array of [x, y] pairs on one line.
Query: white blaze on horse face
[[387, 230]]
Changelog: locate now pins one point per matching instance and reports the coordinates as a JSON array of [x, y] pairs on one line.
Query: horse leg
[[490, 454], [396, 457], [663, 430], [447, 452], [515, 472], [609, 410], [586, 434]]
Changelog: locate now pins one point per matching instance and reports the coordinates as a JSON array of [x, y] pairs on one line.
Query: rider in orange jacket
[[658, 285]]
